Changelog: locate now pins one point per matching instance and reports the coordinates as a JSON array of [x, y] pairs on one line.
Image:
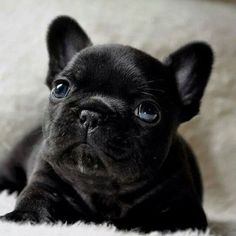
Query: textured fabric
[[158, 27], [11, 229]]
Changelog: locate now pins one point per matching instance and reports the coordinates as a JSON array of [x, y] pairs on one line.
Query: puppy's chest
[[115, 205], [108, 206]]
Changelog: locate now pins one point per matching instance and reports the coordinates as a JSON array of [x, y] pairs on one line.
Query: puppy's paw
[[3, 184], [10, 187], [26, 217]]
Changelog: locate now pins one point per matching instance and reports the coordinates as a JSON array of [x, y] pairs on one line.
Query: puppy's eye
[[61, 89], [148, 112]]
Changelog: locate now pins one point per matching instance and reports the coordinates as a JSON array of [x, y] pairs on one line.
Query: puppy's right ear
[[64, 39], [191, 67]]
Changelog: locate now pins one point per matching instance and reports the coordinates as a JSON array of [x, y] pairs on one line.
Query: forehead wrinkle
[[119, 63], [109, 101], [126, 63], [114, 59], [132, 74]]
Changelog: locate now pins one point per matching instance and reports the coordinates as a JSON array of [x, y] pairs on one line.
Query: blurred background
[[155, 26]]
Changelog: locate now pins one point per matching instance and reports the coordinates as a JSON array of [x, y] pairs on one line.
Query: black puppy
[[109, 149]]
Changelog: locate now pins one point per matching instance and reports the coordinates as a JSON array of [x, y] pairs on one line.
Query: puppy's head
[[113, 110]]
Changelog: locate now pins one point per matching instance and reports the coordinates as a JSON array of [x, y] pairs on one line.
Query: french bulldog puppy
[[108, 149]]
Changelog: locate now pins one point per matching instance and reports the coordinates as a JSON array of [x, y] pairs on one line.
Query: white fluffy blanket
[[10, 229], [156, 26]]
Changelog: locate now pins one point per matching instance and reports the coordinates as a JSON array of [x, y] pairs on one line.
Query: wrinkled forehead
[[115, 69]]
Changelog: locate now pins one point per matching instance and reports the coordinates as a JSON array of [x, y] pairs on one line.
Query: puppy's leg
[[11, 178], [43, 199], [186, 214], [12, 174], [14, 166]]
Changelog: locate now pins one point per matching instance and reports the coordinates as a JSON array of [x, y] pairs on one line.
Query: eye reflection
[[61, 89], [148, 112]]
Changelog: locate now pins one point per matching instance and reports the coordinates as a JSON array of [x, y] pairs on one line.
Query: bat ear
[[64, 39], [191, 67]]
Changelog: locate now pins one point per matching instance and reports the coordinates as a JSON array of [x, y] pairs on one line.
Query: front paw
[[24, 217]]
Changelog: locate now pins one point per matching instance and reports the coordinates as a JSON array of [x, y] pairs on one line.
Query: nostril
[[103, 117], [94, 123], [82, 118], [91, 119]]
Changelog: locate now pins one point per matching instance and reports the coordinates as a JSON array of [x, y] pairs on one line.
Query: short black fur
[[99, 155]]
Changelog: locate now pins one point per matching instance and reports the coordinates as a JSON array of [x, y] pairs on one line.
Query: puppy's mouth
[[91, 160], [85, 158]]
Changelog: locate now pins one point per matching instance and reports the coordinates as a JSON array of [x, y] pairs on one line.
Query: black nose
[[90, 119]]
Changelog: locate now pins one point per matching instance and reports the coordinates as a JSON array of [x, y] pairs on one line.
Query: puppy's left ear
[[191, 66], [65, 38]]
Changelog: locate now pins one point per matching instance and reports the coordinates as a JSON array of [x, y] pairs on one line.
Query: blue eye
[[61, 89], [148, 112]]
